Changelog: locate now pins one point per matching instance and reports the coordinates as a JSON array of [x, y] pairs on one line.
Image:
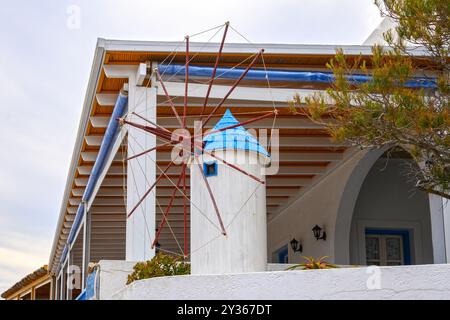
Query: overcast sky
[[45, 60]]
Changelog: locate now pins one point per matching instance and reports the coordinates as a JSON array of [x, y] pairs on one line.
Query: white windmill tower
[[240, 199]]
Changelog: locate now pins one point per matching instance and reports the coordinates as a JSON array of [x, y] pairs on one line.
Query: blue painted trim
[[281, 75], [405, 235], [105, 149], [283, 253], [205, 171], [232, 139], [90, 285]]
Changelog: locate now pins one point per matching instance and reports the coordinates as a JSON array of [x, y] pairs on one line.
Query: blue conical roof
[[232, 139]]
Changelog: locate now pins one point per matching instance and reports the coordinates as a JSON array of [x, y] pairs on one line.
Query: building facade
[[356, 206]]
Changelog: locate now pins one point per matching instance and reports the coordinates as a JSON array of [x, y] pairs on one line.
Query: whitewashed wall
[[242, 206], [320, 206], [406, 282], [389, 199], [141, 171], [331, 204]]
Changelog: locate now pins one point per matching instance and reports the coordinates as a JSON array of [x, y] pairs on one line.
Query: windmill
[[226, 180]]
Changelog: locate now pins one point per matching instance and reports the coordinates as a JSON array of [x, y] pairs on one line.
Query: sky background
[[45, 60]]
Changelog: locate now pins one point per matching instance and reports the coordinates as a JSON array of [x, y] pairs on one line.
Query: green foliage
[[312, 263], [161, 265], [383, 111]]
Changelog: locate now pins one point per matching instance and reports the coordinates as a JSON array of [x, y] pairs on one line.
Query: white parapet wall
[[241, 202], [113, 276], [400, 282]]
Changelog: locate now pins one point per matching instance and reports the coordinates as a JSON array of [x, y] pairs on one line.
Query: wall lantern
[[157, 244], [157, 247], [318, 234], [296, 246]]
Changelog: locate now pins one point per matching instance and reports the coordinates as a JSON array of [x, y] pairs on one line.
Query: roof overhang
[[119, 52]]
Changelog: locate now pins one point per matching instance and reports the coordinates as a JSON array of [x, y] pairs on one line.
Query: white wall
[[113, 276], [388, 199], [446, 215], [405, 282], [141, 171], [241, 202], [320, 206], [440, 228]]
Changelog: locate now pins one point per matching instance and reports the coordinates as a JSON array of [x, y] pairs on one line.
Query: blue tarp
[[280, 75], [89, 291]]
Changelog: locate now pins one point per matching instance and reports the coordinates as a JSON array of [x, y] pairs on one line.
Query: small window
[[210, 169]]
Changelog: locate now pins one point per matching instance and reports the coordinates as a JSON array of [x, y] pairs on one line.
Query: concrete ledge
[[400, 282]]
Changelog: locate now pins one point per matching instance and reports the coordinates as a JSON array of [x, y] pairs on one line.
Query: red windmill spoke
[[234, 86], [168, 97], [213, 75], [167, 138], [186, 86], [165, 135], [213, 199], [169, 206], [149, 190], [155, 131], [149, 150], [186, 82], [151, 122], [184, 212]]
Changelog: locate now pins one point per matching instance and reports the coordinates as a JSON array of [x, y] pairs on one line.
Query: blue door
[[387, 247]]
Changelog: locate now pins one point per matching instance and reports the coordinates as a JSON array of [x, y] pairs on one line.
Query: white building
[[368, 210]]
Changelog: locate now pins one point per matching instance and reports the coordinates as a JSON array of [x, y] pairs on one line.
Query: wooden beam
[[112, 209], [292, 122], [113, 170], [240, 93], [141, 73], [107, 182], [106, 99], [91, 156], [94, 140], [119, 71]]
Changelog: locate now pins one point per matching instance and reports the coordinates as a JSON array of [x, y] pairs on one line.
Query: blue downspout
[[281, 75], [105, 148]]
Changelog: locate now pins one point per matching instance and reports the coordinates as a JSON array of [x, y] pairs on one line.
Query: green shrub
[[161, 265]]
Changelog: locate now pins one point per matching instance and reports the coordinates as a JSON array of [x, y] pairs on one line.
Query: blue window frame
[[210, 168], [282, 254], [405, 237]]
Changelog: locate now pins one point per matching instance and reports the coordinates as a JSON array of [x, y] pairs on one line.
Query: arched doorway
[[383, 219]]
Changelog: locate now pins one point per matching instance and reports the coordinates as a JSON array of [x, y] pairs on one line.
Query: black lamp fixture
[[157, 244], [296, 246], [157, 247], [318, 234]]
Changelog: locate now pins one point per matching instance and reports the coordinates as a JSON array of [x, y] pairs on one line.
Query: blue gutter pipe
[[281, 75], [105, 148]]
